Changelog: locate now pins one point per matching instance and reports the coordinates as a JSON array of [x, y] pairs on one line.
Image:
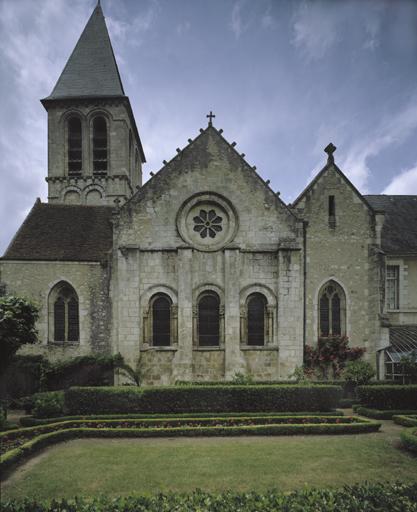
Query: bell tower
[[94, 150]]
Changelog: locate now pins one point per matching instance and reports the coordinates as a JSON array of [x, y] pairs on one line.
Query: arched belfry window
[[100, 145], [332, 310], [256, 316], [64, 321], [161, 321], [208, 325], [75, 146]]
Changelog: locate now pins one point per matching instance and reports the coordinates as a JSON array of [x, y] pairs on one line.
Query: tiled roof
[[91, 69], [63, 233], [403, 341], [399, 232]]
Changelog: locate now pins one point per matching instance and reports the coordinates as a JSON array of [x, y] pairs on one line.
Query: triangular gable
[[316, 179], [210, 130]]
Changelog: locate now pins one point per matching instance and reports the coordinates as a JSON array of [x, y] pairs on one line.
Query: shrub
[[405, 420], [409, 439], [388, 397], [48, 404], [359, 372], [375, 497], [201, 399], [379, 414]]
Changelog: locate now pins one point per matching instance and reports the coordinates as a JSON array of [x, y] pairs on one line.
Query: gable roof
[[63, 233], [399, 231], [330, 164], [192, 148], [91, 69]]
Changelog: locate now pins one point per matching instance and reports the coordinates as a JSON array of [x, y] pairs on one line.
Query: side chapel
[[203, 271]]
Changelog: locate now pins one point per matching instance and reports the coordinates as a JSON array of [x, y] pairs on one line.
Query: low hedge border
[[30, 421], [15, 438], [178, 399], [12, 457], [405, 420], [388, 397], [409, 439], [374, 497], [378, 414]]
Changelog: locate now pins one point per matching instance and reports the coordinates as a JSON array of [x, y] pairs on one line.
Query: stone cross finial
[[117, 203], [330, 149], [210, 117]]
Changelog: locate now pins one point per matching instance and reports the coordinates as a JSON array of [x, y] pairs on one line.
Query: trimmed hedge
[[288, 398], [379, 497], [378, 414], [48, 404], [388, 397], [30, 421], [405, 420], [12, 457], [409, 439]]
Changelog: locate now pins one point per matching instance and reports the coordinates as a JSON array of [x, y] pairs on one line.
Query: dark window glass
[[336, 315], [75, 154], [161, 322], [73, 320], [59, 320], [208, 321], [332, 212], [256, 320], [324, 316], [99, 145]]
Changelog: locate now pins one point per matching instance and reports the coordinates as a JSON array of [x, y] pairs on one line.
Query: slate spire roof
[[91, 70]]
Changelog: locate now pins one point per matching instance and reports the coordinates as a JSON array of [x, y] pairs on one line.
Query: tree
[[17, 326]]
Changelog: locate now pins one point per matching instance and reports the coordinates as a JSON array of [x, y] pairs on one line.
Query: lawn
[[143, 466]]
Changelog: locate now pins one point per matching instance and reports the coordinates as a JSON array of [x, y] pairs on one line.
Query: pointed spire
[[91, 69]]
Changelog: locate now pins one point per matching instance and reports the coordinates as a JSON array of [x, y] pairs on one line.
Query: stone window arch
[[100, 145], [74, 146], [208, 319], [161, 320], [64, 317], [160, 317], [256, 319], [332, 310]]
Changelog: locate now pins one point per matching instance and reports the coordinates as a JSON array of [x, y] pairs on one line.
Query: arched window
[[75, 146], [256, 313], [161, 321], [64, 314], [100, 156], [209, 320], [332, 310]]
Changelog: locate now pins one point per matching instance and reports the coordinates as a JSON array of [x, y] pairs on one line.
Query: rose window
[[207, 223]]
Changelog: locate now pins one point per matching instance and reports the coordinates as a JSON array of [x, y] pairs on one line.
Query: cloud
[[315, 28], [392, 131], [404, 183], [236, 24]]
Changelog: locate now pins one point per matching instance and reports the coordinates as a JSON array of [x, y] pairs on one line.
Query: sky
[[283, 77]]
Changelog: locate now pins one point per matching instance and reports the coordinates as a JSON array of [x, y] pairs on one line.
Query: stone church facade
[[202, 272]]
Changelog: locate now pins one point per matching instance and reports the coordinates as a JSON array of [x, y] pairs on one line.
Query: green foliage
[[300, 375], [3, 416], [135, 375], [380, 414], [29, 421], [329, 357], [407, 420], [377, 497], [48, 404], [409, 439], [359, 372], [17, 326], [242, 379], [388, 397], [410, 367], [201, 398]]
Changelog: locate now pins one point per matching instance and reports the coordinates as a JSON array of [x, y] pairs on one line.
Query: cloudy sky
[[284, 78]]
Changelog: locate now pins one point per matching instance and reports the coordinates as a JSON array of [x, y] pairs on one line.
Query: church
[[203, 271]]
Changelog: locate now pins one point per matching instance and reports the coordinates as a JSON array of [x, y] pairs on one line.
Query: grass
[[145, 466]]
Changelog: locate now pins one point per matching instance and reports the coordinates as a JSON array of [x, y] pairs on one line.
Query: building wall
[[346, 254], [152, 254], [36, 279], [407, 311]]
